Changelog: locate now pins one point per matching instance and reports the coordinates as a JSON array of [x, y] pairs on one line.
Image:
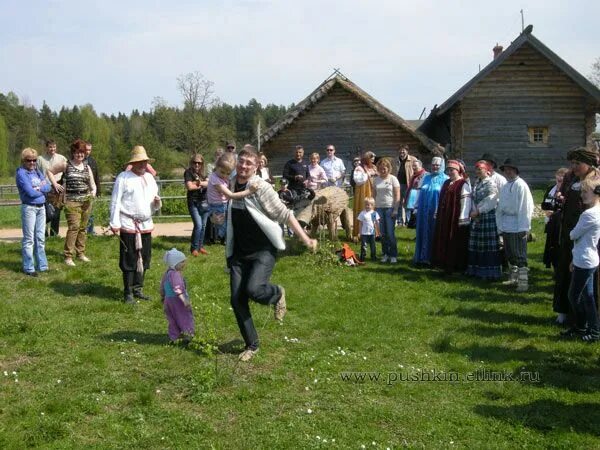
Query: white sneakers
[[84, 258], [391, 260], [69, 262], [247, 354]]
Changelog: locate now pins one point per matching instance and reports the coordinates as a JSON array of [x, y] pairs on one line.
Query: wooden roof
[[524, 37], [339, 80]]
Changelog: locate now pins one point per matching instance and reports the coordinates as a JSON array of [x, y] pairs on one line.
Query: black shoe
[[129, 299], [141, 296], [32, 274]]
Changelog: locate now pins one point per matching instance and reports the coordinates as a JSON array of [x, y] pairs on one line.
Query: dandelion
[[122, 353], [5, 373], [319, 438], [134, 340], [343, 353], [401, 366], [451, 442], [306, 388], [158, 391], [373, 444], [16, 380], [103, 392], [58, 381], [312, 370], [333, 440], [315, 381], [14, 373], [363, 446], [309, 411], [325, 441], [43, 414], [365, 358]]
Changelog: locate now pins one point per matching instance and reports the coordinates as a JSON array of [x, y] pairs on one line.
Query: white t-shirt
[[385, 191], [585, 235], [367, 225]]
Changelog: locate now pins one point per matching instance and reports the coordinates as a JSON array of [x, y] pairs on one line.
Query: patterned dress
[[484, 258]]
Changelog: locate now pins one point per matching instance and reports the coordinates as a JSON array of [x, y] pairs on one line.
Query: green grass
[[94, 372]]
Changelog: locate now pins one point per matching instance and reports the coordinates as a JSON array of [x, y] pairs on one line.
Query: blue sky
[[119, 55]]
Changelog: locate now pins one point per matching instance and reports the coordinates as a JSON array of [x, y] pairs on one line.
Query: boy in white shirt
[[585, 264], [369, 229]]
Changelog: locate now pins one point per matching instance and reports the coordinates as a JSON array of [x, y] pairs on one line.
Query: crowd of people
[[473, 226]]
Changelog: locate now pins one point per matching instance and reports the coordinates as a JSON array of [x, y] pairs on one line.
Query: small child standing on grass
[[175, 298], [218, 192], [369, 228], [585, 264]]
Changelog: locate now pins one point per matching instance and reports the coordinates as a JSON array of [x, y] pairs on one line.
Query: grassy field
[[378, 356]]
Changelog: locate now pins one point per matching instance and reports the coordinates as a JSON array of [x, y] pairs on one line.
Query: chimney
[[497, 50]]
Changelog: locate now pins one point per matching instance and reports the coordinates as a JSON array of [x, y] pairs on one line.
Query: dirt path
[[160, 229]]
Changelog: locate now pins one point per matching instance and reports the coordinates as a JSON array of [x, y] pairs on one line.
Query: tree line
[[169, 133]]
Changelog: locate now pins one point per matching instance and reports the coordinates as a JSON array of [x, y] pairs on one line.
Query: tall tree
[[595, 75], [4, 155]]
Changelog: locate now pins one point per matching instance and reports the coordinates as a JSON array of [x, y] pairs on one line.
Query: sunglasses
[[31, 160], [330, 149], [230, 146], [198, 162]]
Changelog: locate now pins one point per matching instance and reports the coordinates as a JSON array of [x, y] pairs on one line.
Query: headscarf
[[173, 257], [486, 165], [440, 161]]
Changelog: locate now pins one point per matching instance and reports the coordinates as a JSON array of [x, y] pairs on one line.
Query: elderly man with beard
[[134, 200]]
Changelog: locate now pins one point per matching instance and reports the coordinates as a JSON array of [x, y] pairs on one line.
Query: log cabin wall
[[525, 90], [347, 122]]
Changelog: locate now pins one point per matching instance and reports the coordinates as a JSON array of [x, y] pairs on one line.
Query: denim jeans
[[389, 246], [199, 215], [33, 223], [219, 208], [581, 296], [367, 240], [250, 279]]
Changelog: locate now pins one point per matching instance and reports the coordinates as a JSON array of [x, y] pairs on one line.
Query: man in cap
[[253, 238], [513, 219], [334, 168], [134, 200]]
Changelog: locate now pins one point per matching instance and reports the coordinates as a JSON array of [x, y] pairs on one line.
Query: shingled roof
[[524, 37], [323, 89]]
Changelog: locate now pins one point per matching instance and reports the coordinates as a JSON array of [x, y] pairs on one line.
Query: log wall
[[525, 90], [347, 122]]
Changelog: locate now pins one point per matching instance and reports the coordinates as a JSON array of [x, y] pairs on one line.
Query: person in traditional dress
[[363, 179], [583, 167], [483, 258], [412, 193], [134, 199], [427, 206], [513, 219], [552, 205], [452, 221], [498, 179]]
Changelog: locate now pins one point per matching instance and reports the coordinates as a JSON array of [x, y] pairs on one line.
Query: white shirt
[[498, 179], [367, 225], [133, 199], [585, 235], [46, 162], [334, 168], [384, 189], [515, 207]]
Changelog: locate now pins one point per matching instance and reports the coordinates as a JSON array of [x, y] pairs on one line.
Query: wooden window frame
[[539, 135]]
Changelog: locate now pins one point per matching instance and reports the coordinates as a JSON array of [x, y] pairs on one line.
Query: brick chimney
[[497, 50]]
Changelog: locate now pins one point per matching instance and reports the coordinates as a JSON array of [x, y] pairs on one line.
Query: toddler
[[369, 228], [175, 298], [585, 264], [218, 192]]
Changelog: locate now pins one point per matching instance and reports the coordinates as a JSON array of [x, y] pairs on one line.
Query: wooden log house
[[527, 104], [338, 112]]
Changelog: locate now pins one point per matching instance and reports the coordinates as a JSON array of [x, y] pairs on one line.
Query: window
[[538, 135]]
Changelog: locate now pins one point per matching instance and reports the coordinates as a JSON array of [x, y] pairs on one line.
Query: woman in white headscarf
[[426, 209]]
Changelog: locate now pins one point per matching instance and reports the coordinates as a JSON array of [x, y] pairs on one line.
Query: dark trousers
[[250, 279], [581, 296], [367, 240], [54, 224], [133, 281], [515, 247]]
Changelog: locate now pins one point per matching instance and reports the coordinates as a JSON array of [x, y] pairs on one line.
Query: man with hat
[[513, 219], [496, 178], [134, 200]]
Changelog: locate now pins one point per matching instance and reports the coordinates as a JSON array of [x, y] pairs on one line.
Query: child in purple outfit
[[175, 298]]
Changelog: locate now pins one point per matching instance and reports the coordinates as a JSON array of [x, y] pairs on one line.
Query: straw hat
[[138, 154]]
